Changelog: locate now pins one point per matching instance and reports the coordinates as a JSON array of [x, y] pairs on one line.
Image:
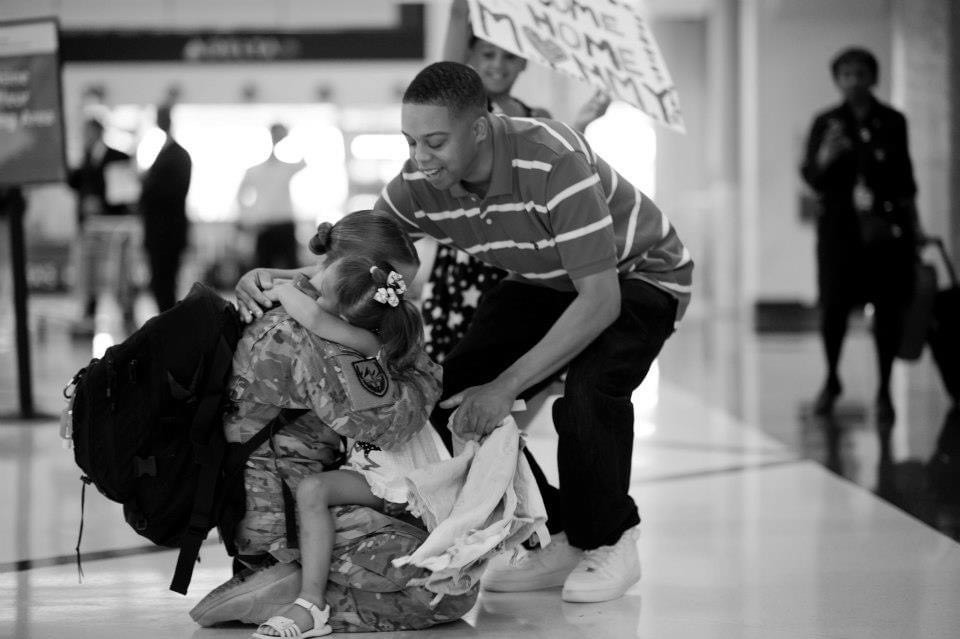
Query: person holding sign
[[456, 279], [499, 69], [598, 280]]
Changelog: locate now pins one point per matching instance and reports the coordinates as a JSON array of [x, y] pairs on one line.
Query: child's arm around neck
[[305, 310]]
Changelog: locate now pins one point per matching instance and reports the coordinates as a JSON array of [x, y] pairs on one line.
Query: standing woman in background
[[858, 162], [456, 279]]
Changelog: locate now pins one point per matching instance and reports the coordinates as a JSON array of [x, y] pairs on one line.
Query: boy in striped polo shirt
[[598, 281]]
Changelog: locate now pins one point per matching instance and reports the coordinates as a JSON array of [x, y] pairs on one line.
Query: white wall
[[921, 78], [794, 43]]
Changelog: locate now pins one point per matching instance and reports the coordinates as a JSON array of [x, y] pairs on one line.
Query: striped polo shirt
[[554, 212]]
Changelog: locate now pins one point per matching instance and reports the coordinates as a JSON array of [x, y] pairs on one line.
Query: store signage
[[403, 41], [31, 117]]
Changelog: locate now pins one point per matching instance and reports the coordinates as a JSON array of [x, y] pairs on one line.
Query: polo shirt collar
[[501, 178]]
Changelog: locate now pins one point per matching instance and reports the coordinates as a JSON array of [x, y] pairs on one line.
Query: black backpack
[[147, 428]]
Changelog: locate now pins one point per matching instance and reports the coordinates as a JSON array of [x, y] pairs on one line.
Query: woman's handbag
[[919, 313]]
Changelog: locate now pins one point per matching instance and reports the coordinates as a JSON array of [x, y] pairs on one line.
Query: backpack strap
[[209, 455], [284, 417], [202, 517]]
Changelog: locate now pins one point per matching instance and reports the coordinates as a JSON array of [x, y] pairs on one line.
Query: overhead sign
[[607, 43], [31, 117], [399, 36]]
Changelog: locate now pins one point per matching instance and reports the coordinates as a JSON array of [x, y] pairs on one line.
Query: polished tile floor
[[759, 519]]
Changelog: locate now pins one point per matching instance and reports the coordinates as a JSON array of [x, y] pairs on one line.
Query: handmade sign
[[607, 43]]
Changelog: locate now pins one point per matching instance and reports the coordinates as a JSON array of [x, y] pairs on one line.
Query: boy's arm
[[456, 44], [251, 299], [302, 306]]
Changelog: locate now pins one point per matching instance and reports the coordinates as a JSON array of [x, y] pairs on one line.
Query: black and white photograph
[[579, 319]]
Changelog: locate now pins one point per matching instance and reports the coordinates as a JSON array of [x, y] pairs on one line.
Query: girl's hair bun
[[320, 243]]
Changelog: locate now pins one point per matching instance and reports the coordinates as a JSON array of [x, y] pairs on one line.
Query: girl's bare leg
[[315, 495]]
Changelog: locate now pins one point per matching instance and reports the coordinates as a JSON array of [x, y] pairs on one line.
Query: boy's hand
[[480, 409], [251, 299], [273, 294], [595, 108]]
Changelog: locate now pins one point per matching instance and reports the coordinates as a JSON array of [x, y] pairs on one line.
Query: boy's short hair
[[856, 55], [450, 84]]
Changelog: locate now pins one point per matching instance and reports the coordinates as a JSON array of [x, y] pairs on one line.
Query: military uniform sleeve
[[355, 396]]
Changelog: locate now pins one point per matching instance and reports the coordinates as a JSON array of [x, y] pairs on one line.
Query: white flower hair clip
[[386, 295], [390, 294], [395, 280]]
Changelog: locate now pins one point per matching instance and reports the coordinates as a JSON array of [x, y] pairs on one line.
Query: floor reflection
[[744, 533], [862, 448]]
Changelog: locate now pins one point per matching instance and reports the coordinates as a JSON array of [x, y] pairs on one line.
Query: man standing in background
[[266, 208], [163, 204], [103, 222]]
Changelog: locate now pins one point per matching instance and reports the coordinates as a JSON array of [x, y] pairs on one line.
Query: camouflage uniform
[[279, 364], [366, 592]]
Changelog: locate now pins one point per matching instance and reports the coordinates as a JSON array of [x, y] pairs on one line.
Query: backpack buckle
[[146, 466]]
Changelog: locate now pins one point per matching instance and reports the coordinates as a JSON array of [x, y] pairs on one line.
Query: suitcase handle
[[951, 272]]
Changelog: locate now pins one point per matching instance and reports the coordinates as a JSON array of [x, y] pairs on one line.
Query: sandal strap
[[282, 625], [320, 617], [303, 603]]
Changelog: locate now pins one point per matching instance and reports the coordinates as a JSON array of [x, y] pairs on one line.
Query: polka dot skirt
[[456, 283]]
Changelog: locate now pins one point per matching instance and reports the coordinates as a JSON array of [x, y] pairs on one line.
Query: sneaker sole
[[541, 582], [248, 599], [600, 594]]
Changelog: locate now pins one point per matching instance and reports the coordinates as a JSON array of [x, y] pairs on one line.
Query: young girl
[[360, 303]]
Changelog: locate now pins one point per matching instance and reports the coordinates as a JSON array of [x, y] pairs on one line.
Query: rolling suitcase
[[919, 315], [944, 340], [943, 334]]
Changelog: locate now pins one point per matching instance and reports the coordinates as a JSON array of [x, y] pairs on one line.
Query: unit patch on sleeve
[[371, 376]]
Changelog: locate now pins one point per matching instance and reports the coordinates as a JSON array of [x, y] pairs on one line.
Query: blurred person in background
[[266, 209], [163, 205], [103, 216], [858, 162]]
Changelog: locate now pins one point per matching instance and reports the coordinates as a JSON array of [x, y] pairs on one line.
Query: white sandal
[[287, 629]]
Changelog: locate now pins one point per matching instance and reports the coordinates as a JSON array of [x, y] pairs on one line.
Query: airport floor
[[759, 520]]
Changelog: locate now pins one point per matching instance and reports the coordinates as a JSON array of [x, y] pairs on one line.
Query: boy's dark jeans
[[594, 418]]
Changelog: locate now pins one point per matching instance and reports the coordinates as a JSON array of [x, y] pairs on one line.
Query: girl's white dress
[[386, 470]]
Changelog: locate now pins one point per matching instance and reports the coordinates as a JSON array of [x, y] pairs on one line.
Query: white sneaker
[[538, 569], [604, 573]]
